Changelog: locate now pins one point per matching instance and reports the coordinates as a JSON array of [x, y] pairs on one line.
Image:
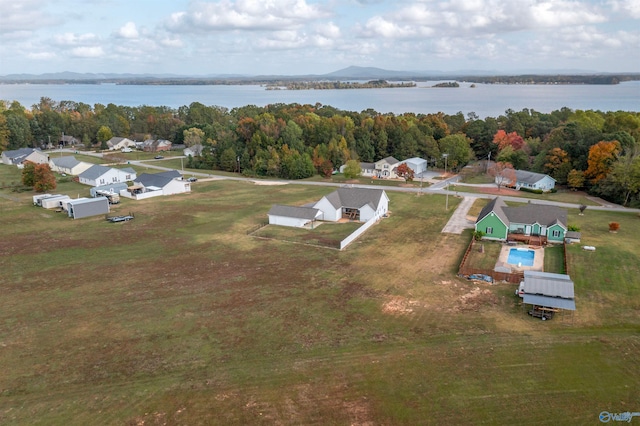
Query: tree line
[[595, 150]]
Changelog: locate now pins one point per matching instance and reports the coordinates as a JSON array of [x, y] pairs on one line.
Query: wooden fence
[[513, 278]]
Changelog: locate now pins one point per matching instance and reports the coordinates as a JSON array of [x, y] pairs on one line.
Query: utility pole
[[446, 207]]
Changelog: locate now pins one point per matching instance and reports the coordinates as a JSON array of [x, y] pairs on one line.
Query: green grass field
[[180, 317]]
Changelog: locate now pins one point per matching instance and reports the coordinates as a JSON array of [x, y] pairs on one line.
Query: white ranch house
[[531, 180], [18, 156], [68, 165], [116, 143], [98, 175], [353, 203], [149, 185]]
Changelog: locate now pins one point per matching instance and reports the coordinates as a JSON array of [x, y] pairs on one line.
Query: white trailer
[[38, 197], [54, 202]]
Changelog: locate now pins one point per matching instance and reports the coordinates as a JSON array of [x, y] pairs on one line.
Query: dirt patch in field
[[475, 299], [399, 306]]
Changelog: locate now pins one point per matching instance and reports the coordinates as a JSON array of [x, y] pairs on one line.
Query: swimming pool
[[521, 257]]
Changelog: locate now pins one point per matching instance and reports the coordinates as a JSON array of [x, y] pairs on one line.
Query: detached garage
[[80, 208], [293, 216]]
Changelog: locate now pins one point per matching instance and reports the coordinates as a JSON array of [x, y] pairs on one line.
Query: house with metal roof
[[68, 164], [418, 165], [294, 216], [548, 290], [531, 180], [98, 175], [359, 204], [500, 222]]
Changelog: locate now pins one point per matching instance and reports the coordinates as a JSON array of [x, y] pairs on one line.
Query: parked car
[[192, 179], [126, 149], [158, 157]]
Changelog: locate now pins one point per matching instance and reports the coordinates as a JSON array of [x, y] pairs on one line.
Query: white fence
[[144, 195], [355, 234]]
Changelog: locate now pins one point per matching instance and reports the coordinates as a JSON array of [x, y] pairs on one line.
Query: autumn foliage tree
[[575, 179], [44, 180], [601, 158], [504, 139], [28, 173], [503, 173], [405, 172], [557, 164]]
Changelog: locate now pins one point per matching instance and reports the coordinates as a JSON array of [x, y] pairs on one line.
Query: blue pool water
[[522, 257]]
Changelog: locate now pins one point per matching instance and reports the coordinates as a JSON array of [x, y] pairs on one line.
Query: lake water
[[486, 100]]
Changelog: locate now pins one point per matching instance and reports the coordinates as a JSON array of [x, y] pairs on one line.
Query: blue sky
[[315, 37]]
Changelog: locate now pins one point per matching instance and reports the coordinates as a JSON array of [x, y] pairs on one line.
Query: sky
[[298, 37]]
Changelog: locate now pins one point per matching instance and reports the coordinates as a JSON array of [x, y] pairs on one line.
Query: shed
[[293, 216], [548, 284], [418, 165], [572, 237], [53, 202], [80, 208], [65, 203]]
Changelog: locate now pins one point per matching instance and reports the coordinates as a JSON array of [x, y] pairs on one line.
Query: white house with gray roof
[[359, 204], [98, 175], [532, 180], [293, 216], [68, 164], [18, 156], [118, 143], [156, 184]]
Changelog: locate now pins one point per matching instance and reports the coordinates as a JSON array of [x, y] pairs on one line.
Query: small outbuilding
[[293, 216], [418, 165], [88, 207], [53, 202]]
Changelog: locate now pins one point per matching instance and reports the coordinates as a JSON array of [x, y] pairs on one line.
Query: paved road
[[435, 189]]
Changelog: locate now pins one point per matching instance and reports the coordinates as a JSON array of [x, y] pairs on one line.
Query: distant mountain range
[[349, 73]]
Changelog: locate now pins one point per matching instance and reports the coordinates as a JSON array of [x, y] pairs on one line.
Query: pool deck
[[503, 266]]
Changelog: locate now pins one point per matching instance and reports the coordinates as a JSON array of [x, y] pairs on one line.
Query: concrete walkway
[[458, 221]]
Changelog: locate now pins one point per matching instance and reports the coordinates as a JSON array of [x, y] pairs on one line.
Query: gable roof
[[68, 162], [390, 160], [527, 214], [537, 213], [356, 198], [94, 172], [415, 160], [173, 174], [153, 179], [530, 177], [18, 155], [496, 205], [128, 170], [308, 213]]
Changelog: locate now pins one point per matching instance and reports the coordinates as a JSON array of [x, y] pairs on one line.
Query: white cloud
[[71, 39], [87, 52], [245, 15], [38, 56], [24, 15], [630, 7], [129, 30]]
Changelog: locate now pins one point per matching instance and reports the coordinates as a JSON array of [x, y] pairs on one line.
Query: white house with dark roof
[[149, 185], [532, 180], [18, 156], [68, 164], [293, 216], [116, 143], [194, 150], [98, 175], [359, 204]]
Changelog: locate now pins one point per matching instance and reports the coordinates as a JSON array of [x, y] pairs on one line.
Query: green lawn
[[554, 259], [562, 196], [180, 317]]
